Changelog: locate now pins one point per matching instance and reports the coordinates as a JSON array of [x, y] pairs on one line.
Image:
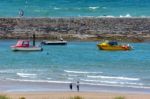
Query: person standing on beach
[[70, 86], [78, 86]]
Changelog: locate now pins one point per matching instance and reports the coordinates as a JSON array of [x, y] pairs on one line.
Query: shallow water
[[81, 61]]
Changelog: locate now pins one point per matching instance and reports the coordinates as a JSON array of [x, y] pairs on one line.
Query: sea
[[77, 61], [75, 8]]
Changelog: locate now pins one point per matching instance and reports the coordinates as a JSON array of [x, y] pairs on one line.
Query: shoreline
[[31, 90], [26, 86], [79, 17]]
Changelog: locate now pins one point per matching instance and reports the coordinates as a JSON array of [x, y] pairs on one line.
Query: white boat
[[24, 45], [61, 42]]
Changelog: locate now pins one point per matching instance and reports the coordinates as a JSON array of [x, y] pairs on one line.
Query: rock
[[123, 29]]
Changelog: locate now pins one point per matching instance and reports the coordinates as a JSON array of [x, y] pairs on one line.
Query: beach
[[43, 90], [32, 90], [67, 95]]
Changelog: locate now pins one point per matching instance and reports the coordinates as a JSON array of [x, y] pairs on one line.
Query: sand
[[67, 95], [43, 90]]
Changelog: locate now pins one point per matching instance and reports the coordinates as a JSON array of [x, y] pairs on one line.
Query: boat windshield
[[113, 43], [22, 44], [19, 43], [25, 44]]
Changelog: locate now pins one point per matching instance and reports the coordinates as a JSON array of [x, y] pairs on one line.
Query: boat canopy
[[22, 43], [113, 43]]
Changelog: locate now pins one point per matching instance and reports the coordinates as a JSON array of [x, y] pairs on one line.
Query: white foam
[[130, 86], [143, 16], [72, 75], [93, 8], [70, 78], [49, 78], [110, 16], [87, 83], [126, 16], [39, 81], [56, 8], [112, 82], [98, 81], [106, 16], [26, 75], [116, 78], [10, 70], [80, 72]]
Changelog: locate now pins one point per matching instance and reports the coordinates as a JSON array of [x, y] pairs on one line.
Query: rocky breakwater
[[122, 29]]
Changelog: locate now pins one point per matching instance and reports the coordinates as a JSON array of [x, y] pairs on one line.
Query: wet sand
[[25, 86], [58, 90]]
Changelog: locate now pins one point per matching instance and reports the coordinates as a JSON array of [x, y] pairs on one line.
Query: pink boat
[[24, 45]]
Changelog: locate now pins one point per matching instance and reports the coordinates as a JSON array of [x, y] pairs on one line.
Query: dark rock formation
[[76, 28]]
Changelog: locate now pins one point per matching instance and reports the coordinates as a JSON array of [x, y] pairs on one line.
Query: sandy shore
[[67, 95], [51, 90]]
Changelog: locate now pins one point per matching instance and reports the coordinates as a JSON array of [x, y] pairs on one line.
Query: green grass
[[4, 97], [119, 97], [22, 98], [76, 97]]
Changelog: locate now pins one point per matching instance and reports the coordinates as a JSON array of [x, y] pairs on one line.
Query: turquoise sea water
[[75, 8], [81, 61]]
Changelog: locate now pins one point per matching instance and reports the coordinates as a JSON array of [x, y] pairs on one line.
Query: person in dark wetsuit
[[70, 86], [21, 13], [78, 86]]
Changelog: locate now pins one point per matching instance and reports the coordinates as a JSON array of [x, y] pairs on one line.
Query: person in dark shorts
[[70, 86], [78, 86]]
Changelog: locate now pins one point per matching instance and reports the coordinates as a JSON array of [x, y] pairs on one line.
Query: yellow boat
[[112, 45]]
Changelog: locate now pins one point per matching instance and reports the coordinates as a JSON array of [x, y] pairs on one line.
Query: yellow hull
[[113, 48]]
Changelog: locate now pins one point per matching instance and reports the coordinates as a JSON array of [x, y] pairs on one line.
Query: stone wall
[[52, 27]]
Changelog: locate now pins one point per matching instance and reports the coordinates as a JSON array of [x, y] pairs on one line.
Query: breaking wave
[[115, 78], [81, 72], [26, 75]]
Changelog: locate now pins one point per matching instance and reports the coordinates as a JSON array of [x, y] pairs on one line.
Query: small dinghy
[[59, 42]]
